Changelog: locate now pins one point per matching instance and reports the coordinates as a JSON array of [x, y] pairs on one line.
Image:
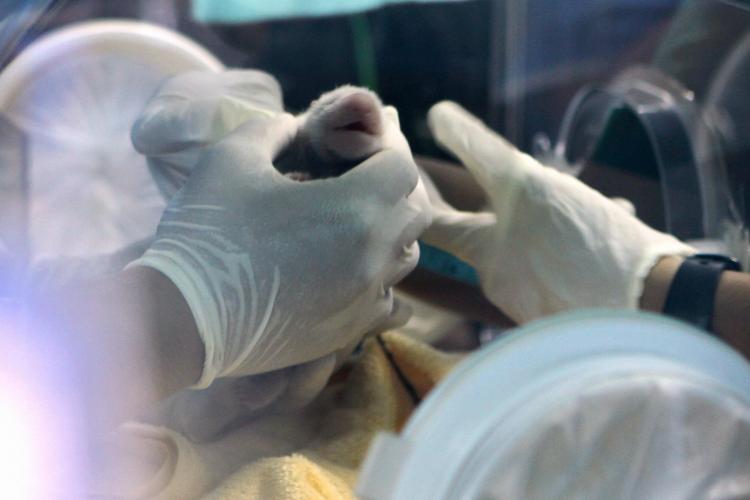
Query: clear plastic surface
[[667, 116], [74, 95], [582, 405], [724, 144], [679, 118], [633, 436]]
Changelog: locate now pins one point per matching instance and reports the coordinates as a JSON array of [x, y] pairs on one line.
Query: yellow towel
[[373, 399], [312, 453]]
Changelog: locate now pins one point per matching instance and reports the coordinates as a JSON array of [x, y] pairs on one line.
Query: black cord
[[401, 377]]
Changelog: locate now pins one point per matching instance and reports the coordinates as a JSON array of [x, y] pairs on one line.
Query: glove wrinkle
[[555, 244], [275, 271]]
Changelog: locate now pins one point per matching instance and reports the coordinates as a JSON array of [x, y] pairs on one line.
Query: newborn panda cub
[[338, 131]]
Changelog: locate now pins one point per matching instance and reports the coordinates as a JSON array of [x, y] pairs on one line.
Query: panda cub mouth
[[355, 127], [339, 130]]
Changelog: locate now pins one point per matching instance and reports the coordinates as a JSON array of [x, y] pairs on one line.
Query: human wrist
[[172, 329], [732, 310], [191, 279], [657, 283]]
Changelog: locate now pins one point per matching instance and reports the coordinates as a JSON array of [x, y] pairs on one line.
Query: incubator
[[642, 99], [586, 405]]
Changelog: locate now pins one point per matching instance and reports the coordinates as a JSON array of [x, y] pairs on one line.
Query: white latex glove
[[277, 272], [550, 243], [194, 110], [203, 415]]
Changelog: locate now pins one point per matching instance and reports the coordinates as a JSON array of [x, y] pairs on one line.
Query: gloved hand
[[194, 110], [205, 414], [277, 272], [550, 243]]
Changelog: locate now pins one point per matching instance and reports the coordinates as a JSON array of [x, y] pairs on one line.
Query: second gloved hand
[[550, 242], [279, 273]]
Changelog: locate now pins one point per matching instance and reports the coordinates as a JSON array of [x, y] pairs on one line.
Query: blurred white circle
[[74, 94]]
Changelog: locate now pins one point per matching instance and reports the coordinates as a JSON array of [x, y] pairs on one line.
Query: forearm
[[732, 311], [731, 320], [133, 337]]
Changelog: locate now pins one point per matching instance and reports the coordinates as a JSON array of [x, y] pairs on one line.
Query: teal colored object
[[244, 11], [364, 52], [442, 263]]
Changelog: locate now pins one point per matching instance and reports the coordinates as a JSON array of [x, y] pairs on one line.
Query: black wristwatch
[[693, 291]]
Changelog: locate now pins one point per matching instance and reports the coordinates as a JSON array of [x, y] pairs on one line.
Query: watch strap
[[693, 290]]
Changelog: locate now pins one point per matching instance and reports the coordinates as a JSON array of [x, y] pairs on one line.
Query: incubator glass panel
[[516, 64], [648, 100]]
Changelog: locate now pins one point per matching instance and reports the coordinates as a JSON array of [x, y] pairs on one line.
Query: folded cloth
[[243, 11], [375, 398], [313, 452]]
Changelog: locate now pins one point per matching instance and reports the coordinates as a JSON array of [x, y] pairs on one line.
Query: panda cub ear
[[345, 124]]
